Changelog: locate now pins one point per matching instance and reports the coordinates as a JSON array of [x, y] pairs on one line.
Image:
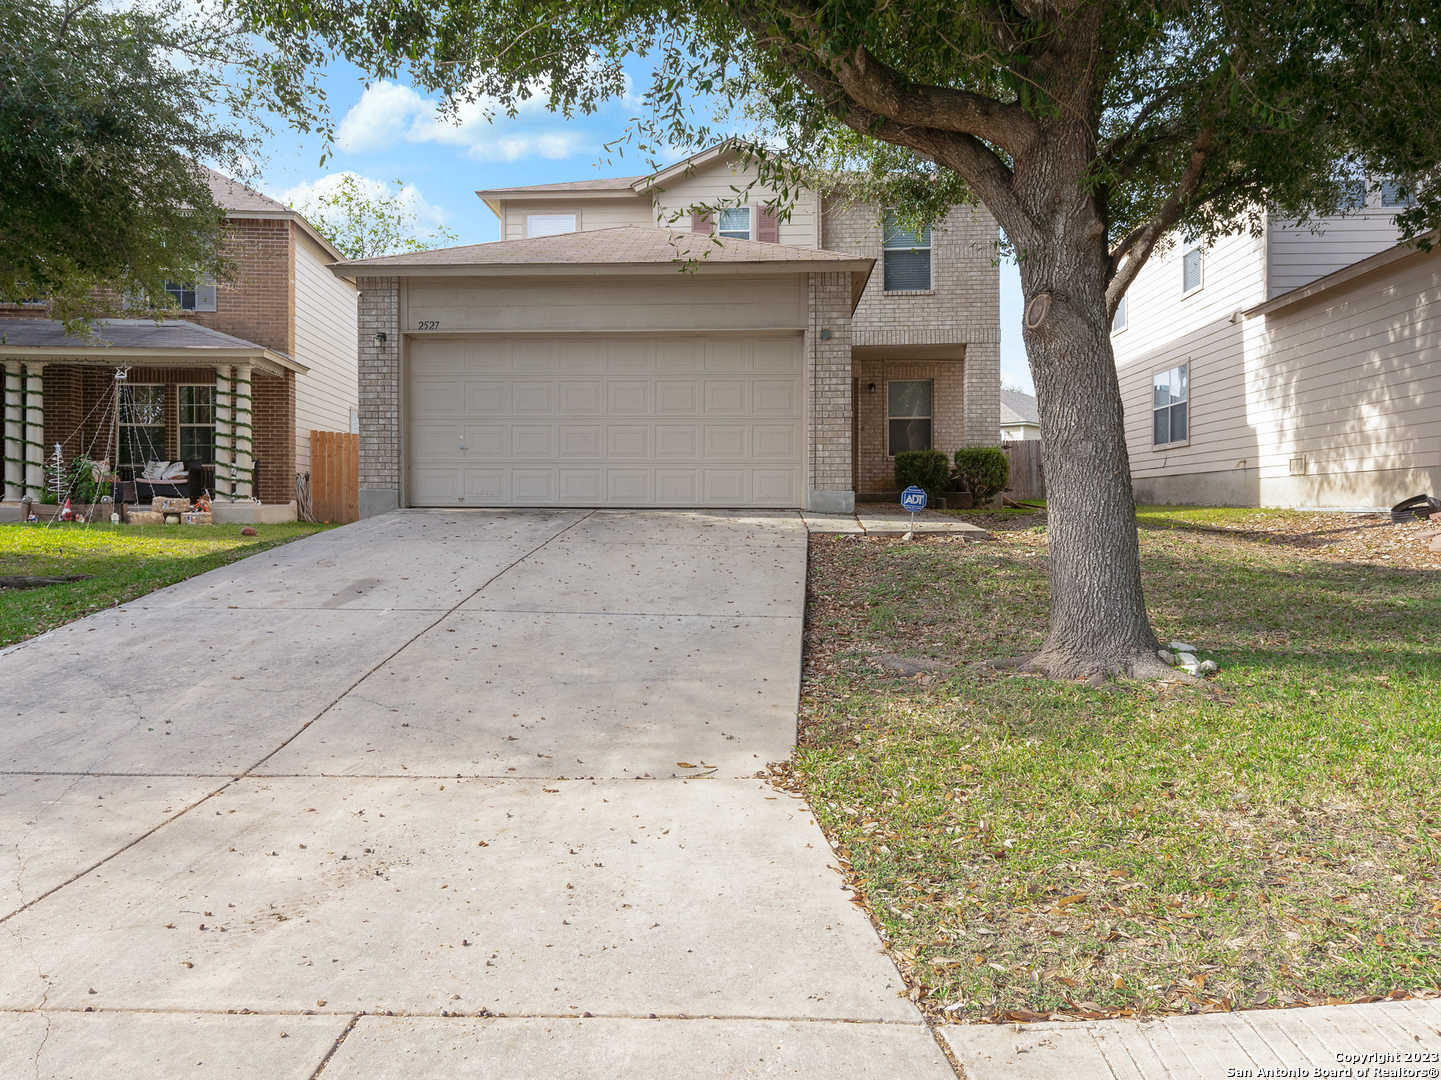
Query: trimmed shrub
[[928, 470], [984, 471]]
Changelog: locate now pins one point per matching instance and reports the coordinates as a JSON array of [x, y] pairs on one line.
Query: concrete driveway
[[440, 793]]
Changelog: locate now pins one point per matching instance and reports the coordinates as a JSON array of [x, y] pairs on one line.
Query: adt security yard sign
[[913, 499]]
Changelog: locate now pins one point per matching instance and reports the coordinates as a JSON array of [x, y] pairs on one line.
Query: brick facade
[[380, 419], [828, 388], [875, 467], [959, 316], [259, 305]]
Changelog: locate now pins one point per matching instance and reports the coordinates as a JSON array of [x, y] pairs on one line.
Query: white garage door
[[664, 420]]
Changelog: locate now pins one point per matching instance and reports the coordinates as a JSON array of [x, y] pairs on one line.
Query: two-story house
[[1296, 368], [620, 346], [232, 384]]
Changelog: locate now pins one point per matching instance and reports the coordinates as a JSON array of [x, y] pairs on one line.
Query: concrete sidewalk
[[453, 794]]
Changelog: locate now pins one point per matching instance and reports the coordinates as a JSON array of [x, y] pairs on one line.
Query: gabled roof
[[121, 342], [618, 183], [624, 249], [1018, 408], [241, 200]]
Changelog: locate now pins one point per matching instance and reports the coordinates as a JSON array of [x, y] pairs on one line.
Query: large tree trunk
[[1098, 613]]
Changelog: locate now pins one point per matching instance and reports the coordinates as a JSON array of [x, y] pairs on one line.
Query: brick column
[[380, 481], [828, 395], [14, 434], [982, 394]]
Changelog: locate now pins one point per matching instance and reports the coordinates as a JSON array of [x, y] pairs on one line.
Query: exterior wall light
[[380, 340]]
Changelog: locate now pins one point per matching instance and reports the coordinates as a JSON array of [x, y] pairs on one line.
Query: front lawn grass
[[1030, 848], [122, 562]]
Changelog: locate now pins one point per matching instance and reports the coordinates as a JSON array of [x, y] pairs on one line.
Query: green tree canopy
[[365, 219], [105, 116], [1091, 129]]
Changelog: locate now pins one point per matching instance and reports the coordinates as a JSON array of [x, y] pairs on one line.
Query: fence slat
[[1028, 478], [335, 476]]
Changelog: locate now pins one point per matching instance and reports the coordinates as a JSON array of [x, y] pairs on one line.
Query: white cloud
[[308, 192], [388, 113]]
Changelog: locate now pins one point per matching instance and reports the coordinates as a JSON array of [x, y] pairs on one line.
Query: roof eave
[[772, 268], [522, 195], [267, 360], [683, 167]]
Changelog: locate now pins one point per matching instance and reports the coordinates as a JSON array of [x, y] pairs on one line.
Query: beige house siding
[[1298, 255], [729, 183], [670, 300], [325, 313], [1330, 402], [589, 215]]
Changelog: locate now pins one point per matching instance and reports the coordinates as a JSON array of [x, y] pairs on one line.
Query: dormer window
[[735, 222]]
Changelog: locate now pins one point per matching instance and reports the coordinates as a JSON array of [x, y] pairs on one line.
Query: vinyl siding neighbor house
[[618, 348], [1297, 368]]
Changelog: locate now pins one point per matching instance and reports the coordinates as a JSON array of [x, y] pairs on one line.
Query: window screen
[[735, 222], [549, 224], [1392, 194], [142, 425], [1191, 271], [908, 406], [197, 424], [905, 257], [1170, 392]]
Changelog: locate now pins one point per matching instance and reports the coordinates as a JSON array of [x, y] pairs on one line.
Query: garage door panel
[[676, 398], [582, 398], [725, 398], [700, 420], [628, 440], [680, 442], [580, 441], [485, 397], [627, 398]]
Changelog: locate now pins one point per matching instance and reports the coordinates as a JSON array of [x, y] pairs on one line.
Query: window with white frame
[[735, 222], [549, 224], [192, 295], [1170, 394], [1118, 321], [197, 424], [1191, 271], [905, 257], [908, 409], [1394, 193], [142, 425]]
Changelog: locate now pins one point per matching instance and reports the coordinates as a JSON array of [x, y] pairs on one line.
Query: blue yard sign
[[913, 499]]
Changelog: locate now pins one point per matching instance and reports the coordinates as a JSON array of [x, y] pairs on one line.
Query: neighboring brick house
[[573, 363], [234, 382]]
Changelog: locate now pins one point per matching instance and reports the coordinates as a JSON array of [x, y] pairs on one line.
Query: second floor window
[[549, 224], [735, 222], [192, 296], [1191, 271], [905, 256], [1119, 321], [1393, 194]]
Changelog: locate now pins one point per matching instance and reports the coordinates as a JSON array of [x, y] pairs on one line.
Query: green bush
[[984, 471], [928, 470]]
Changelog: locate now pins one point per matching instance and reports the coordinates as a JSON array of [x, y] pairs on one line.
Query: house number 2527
[[434, 325]]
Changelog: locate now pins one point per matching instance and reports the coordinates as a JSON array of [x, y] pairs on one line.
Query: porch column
[[243, 467], [224, 432], [14, 433], [34, 400]]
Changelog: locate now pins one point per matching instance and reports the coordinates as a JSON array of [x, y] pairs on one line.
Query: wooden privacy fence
[[1028, 479], [335, 476]]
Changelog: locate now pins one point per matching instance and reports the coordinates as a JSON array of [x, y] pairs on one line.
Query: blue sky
[[389, 131]]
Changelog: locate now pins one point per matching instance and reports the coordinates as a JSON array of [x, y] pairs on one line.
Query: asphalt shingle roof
[[624, 245], [613, 183], [118, 333], [1018, 408], [237, 197]]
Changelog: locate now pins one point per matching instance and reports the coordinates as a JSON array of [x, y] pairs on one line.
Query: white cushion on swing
[[163, 470]]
